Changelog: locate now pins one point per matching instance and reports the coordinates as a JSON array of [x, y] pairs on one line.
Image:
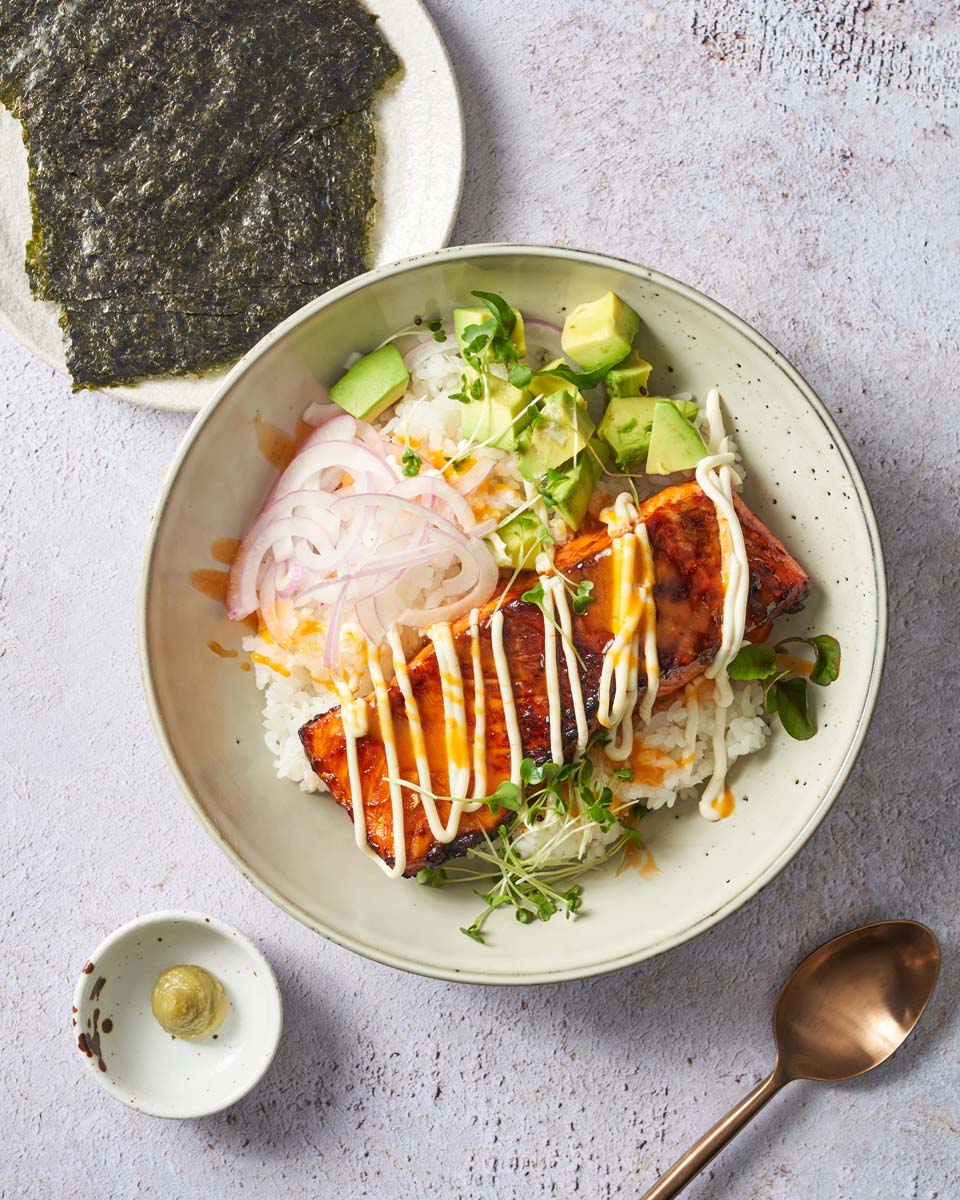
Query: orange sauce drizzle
[[268, 662], [276, 445], [210, 582], [221, 650], [725, 804], [641, 859], [224, 550], [245, 666], [793, 662]]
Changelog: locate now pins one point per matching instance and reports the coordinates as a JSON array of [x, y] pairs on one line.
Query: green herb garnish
[[431, 877], [583, 596], [520, 375], [436, 328], [412, 463], [537, 887], [491, 340], [583, 380], [784, 690]]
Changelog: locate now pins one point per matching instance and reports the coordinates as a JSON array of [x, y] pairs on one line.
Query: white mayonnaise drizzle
[[634, 617], [454, 709], [550, 672], [353, 717], [716, 477], [692, 728], [442, 833], [506, 695], [393, 764], [559, 592], [651, 653], [479, 709]]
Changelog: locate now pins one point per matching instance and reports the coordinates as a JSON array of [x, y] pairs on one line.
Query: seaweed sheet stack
[[198, 169]]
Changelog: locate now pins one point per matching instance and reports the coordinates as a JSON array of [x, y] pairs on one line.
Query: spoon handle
[[709, 1146]]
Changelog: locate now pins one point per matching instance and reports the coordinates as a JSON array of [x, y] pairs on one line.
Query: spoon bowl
[[854, 1001], [845, 1009]]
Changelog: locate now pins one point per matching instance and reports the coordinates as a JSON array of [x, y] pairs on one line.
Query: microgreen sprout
[[436, 328], [537, 886], [412, 462]]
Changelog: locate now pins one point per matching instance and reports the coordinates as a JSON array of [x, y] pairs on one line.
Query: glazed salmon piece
[[684, 540]]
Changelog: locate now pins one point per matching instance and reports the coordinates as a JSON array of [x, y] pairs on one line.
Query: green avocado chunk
[[559, 431], [371, 385], [569, 490], [463, 318], [522, 540], [544, 382], [674, 443], [498, 417], [630, 377], [627, 424], [600, 334]]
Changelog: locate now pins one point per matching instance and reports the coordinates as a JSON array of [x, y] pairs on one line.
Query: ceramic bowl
[[802, 481], [129, 1054]]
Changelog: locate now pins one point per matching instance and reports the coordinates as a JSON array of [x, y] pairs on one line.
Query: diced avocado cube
[[544, 382], [371, 385], [518, 337], [522, 538], [628, 422], [626, 426], [569, 489], [688, 409], [600, 334], [630, 377], [559, 431], [463, 318], [498, 415], [674, 443]]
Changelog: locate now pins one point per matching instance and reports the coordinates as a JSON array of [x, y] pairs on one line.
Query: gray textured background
[[799, 162]]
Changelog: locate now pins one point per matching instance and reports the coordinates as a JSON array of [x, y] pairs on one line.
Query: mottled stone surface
[[800, 163]]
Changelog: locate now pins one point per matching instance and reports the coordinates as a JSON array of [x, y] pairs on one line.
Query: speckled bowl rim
[[204, 921], [794, 378]]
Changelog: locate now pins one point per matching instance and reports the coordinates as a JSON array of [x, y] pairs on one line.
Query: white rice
[[297, 686]]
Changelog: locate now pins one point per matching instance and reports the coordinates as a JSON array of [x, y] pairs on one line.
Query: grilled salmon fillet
[[684, 540]]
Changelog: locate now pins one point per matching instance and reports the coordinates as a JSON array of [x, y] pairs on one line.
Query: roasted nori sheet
[[109, 346], [208, 163], [315, 193]]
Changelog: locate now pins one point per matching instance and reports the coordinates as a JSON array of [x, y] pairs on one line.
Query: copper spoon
[[844, 1010]]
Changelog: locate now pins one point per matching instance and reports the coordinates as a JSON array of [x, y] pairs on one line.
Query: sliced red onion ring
[[470, 480], [242, 585], [331, 647], [479, 571], [278, 614], [427, 349], [350, 457], [320, 411], [395, 565], [545, 334], [433, 485], [288, 579]]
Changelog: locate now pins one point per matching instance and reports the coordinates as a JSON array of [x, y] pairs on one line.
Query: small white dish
[[127, 1051]]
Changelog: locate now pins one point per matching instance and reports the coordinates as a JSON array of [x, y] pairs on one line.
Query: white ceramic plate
[[299, 849], [416, 212]]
